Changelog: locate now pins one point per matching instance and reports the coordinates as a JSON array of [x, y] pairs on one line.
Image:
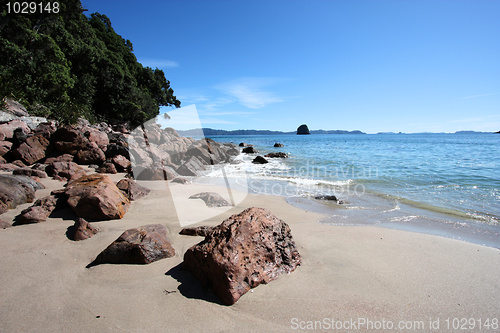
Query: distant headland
[[216, 132]]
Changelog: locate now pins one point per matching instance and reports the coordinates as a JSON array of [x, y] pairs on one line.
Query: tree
[[68, 65]]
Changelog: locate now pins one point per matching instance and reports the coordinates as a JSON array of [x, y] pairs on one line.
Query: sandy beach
[[361, 275]]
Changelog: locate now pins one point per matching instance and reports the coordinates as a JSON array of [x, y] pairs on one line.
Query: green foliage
[[68, 65]]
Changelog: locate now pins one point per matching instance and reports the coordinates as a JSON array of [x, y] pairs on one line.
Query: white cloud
[[158, 63], [250, 91]]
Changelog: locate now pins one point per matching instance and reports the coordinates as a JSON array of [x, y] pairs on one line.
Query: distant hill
[[215, 132], [471, 132]]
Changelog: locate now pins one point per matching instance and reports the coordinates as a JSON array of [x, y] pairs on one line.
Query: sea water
[[389, 177]]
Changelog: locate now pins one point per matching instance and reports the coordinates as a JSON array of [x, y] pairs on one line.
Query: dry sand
[[347, 273]]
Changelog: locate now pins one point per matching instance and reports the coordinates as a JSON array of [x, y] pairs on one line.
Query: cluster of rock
[[245, 250], [249, 149]]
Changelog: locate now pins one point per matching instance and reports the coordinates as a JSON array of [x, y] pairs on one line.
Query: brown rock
[[121, 163], [65, 170], [157, 172], [30, 172], [96, 197], [98, 137], [8, 167], [5, 147], [83, 230], [191, 167], [7, 129], [91, 154], [277, 145], [32, 150], [39, 211], [196, 231], [16, 190], [181, 180], [131, 189], [211, 199], [69, 139], [141, 245], [107, 167], [245, 250], [60, 158]]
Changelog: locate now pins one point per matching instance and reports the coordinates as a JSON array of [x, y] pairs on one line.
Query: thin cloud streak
[[159, 63], [476, 96], [250, 91]]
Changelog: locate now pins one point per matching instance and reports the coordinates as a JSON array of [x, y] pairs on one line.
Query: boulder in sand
[[211, 199], [141, 245], [131, 189], [96, 197], [39, 211], [16, 190], [83, 230], [245, 250]]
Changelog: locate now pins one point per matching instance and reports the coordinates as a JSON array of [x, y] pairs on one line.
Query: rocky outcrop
[[260, 160], [245, 250], [83, 230], [278, 145], [196, 231], [211, 199], [39, 211], [16, 190], [131, 189], [141, 245], [96, 197], [303, 129], [277, 155]]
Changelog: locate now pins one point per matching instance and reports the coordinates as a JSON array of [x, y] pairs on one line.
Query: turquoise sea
[[406, 176]]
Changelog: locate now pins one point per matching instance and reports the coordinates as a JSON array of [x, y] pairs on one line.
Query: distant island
[[216, 132]]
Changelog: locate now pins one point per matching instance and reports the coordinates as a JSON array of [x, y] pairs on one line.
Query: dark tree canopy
[[68, 65]]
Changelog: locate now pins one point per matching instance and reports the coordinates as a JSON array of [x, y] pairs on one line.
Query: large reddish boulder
[[39, 211], [96, 197], [32, 150], [245, 250], [141, 245], [30, 172], [65, 170]]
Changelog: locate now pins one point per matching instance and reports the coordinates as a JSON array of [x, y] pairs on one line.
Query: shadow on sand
[[190, 287]]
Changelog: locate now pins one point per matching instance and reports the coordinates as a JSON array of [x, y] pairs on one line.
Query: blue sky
[[375, 65]]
